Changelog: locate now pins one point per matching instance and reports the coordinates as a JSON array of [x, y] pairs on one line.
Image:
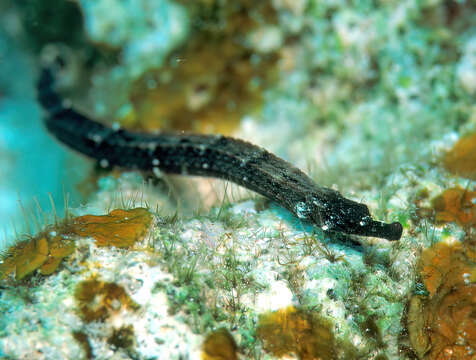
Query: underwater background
[[375, 99]]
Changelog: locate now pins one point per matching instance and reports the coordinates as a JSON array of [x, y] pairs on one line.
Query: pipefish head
[[336, 213]]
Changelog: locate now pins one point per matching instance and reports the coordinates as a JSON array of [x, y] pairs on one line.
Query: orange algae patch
[[45, 252], [219, 345], [59, 249], [25, 257], [214, 78], [42, 252], [295, 331], [456, 205], [461, 159], [97, 300], [443, 325], [120, 228]]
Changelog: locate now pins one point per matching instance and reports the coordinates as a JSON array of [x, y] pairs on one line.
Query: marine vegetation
[[293, 331], [45, 251], [219, 345], [441, 322]]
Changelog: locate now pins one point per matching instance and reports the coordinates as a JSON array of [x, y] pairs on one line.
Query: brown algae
[[303, 333], [45, 251], [120, 228], [461, 159], [456, 205], [98, 300], [214, 78], [441, 324], [219, 345]]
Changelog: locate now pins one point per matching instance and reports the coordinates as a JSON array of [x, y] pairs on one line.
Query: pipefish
[[212, 156]]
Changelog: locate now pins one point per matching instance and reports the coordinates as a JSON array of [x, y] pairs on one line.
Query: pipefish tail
[[213, 156]]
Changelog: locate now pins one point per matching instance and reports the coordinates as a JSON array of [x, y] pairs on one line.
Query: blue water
[[32, 164]]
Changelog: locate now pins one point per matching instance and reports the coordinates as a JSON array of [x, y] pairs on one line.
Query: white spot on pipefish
[[142, 145], [95, 137], [104, 163], [152, 146], [202, 149], [318, 202], [365, 221], [205, 166], [155, 162], [157, 172], [301, 210]]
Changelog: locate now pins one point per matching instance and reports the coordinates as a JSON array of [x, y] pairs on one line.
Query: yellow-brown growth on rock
[[59, 248], [443, 325], [97, 300], [219, 345], [461, 159], [25, 257], [120, 228], [44, 252], [214, 78], [456, 205], [295, 331]]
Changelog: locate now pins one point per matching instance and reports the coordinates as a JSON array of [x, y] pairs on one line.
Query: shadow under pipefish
[[212, 156]]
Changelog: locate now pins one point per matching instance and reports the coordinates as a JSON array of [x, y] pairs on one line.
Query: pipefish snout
[[213, 156]]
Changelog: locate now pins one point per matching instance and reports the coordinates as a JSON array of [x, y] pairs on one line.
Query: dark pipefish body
[[213, 156]]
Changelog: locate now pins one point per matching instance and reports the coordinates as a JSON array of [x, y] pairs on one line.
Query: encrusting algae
[[120, 228], [442, 324], [290, 331], [219, 345], [97, 300], [44, 252], [456, 205], [214, 78], [441, 320], [461, 159]]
